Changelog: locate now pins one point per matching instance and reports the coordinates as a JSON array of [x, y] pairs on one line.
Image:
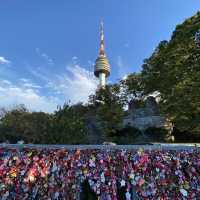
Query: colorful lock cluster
[[27, 173]]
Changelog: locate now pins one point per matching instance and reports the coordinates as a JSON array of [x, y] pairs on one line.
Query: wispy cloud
[[44, 90], [44, 56], [75, 84], [3, 60], [12, 94], [122, 68], [119, 62], [74, 58], [6, 82], [26, 83]]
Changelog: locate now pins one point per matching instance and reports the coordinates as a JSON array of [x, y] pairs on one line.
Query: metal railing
[[161, 146]]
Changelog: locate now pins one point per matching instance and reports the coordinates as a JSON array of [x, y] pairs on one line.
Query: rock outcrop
[[145, 117]]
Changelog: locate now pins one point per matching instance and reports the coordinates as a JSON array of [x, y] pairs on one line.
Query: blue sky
[[47, 48]]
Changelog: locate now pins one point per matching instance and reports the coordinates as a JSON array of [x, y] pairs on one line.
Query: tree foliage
[[109, 110], [65, 126], [173, 70], [132, 87], [20, 124], [69, 125]]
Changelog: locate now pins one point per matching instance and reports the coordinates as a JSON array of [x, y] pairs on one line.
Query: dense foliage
[[20, 124], [65, 126], [109, 110], [173, 71]]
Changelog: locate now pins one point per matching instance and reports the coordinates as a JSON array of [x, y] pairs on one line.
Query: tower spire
[[102, 67], [102, 48]]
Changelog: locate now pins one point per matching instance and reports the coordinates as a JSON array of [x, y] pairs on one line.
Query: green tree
[[173, 71], [69, 125], [131, 88], [21, 124], [109, 110]]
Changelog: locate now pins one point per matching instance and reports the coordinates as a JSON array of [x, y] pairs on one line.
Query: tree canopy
[[173, 70]]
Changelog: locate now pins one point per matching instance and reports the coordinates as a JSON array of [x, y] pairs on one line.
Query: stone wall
[[144, 117], [142, 123], [147, 115]]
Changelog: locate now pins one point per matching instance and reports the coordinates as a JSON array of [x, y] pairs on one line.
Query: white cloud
[[7, 82], [26, 83], [48, 89], [12, 95], [3, 60], [74, 58], [30, 85], [45, 56], [119, 62], [124, 77], [24, 80], [75, 84], [122, 69]]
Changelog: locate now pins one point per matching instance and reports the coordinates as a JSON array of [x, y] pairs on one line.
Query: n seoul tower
[[102, 67]]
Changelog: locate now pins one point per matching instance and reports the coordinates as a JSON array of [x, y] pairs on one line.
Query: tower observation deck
[[102, 67]]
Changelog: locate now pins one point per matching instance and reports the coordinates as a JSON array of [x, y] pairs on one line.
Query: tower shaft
[[102, 79]]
